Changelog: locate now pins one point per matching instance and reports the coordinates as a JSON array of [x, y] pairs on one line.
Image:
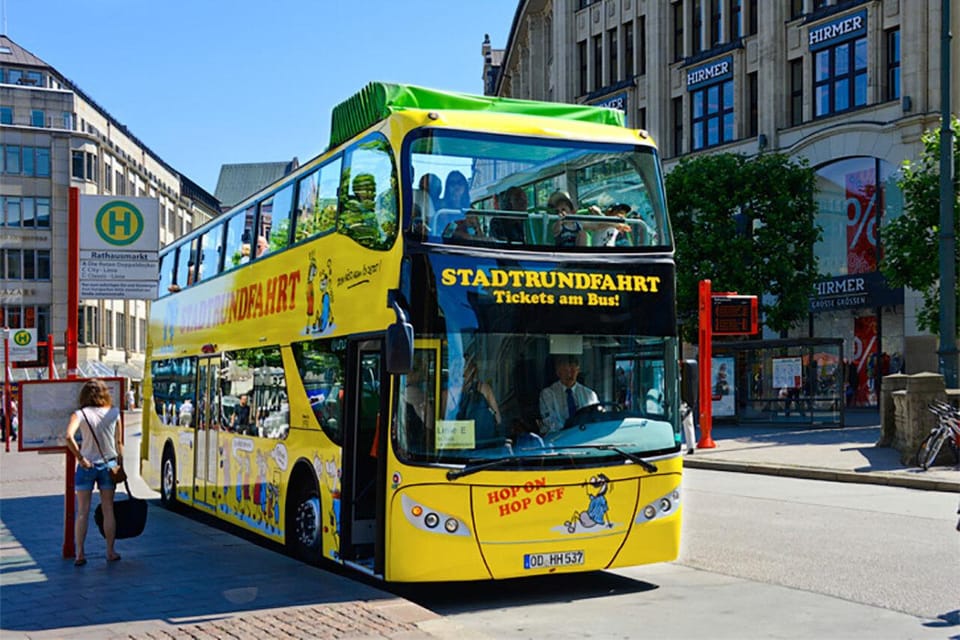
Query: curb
[[816, 473]]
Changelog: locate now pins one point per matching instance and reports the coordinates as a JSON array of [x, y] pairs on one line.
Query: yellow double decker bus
[[444, 349]]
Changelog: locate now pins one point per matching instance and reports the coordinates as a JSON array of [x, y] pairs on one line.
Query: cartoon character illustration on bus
[[331, 475], [596, 513], [311, 295], [325, 318], [319, 285]]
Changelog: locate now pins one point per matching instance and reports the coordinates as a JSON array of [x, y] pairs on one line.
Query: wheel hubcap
[[168, 479], [308, 522]]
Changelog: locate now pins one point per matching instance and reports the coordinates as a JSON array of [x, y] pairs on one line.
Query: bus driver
[[560, 401]]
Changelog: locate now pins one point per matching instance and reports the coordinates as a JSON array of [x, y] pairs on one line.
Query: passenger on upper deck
[[610, 234], [456, 195], [426, 201], [566, 233], [510, 230]]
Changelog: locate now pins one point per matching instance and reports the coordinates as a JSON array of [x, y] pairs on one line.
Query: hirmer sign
[[838, 30], [119, 247], [711, 72]]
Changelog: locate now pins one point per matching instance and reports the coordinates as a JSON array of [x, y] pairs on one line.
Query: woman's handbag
[[131, 515]]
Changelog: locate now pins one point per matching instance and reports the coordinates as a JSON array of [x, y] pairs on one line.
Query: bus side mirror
[[399, 337], [400, 348], [689, 382]]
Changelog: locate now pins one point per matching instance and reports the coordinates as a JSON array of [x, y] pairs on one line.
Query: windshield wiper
[[453, 474], [647, 466]]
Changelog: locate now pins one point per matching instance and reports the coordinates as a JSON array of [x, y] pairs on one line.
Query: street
[[762, 557]]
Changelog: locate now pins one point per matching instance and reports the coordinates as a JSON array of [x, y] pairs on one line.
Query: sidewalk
[[845, 454], [183, 578]]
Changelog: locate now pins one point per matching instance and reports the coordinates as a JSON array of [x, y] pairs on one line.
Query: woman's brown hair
[[95, 393]]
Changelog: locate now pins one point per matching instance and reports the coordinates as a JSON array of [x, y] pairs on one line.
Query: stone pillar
[[889, 384], [917, 420]]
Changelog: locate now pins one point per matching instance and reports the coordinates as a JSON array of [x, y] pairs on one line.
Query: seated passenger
[[561, 400], [510, 230], [426, 201], [613, 233], [566, 233], [478, 404]]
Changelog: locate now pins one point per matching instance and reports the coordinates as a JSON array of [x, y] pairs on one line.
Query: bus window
[[274, 221], [254, 378], [609, 188], [174, 387], [166, 273], [369, 195], [234, 254], [185, 265], [317, 206], [321, 371], [210, 248]]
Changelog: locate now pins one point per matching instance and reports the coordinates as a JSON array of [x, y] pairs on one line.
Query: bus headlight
[[662, 507], [425, 518]]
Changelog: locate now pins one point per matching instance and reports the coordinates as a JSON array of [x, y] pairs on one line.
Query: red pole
[[73, 281], [705, 351], [51, 369], [73, 310], [6, 387]]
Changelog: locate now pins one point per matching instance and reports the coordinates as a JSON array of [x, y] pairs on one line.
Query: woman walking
[[100, 451]]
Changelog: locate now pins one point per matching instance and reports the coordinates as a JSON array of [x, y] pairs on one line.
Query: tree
[[911, 242], [747, 225]]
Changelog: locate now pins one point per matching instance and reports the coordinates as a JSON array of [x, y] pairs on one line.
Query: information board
[[45, 408], [734, 315]]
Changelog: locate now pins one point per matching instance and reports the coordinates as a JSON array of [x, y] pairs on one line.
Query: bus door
[[206, 430], [363, 482]]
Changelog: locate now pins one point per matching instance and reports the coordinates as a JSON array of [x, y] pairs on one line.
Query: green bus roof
[[378, 100]]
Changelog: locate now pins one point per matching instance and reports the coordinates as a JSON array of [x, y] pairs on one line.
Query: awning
[[97, 369]]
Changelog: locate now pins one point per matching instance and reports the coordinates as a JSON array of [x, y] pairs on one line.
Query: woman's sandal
[[114, 558], [79, 562]]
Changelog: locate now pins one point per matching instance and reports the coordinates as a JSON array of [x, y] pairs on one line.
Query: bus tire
[[168, 479], [304, 521]]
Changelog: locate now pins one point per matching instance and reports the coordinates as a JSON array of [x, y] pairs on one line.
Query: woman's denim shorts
[[99, 473]]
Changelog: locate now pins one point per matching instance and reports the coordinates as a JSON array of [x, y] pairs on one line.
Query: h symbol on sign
[[117, 219]]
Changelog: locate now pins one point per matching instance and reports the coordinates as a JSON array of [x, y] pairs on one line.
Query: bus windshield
[[474, 396], [497, 190]]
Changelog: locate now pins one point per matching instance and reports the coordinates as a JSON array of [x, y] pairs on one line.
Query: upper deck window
[[507, 191]]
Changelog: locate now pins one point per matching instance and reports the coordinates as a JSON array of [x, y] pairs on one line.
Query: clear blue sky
[[211, 82]]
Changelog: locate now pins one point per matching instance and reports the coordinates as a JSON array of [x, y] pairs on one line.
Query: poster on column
[[861, 194], [864, 348], [722, 387]]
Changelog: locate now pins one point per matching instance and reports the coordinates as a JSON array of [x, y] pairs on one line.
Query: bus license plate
[[548, 560]]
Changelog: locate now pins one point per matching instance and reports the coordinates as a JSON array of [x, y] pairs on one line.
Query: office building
[[53, 137], [848, 86]]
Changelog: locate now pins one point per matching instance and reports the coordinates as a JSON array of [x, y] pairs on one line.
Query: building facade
[[54, 137], [848, 86]]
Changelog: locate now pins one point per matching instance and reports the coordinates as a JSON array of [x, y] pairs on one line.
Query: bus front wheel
[[168, 480], [304, 523]]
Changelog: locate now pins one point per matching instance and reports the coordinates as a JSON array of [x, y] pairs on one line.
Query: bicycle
[[947, 430]]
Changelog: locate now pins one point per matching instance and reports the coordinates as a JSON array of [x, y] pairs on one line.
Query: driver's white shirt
[[553, 404]]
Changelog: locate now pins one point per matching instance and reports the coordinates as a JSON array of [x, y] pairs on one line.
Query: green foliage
[[747, 225], [911, 242]]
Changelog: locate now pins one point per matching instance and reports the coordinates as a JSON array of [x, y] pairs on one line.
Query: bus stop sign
[[733, 315]]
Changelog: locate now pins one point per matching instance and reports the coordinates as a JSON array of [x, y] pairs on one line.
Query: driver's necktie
[[571, 403]]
